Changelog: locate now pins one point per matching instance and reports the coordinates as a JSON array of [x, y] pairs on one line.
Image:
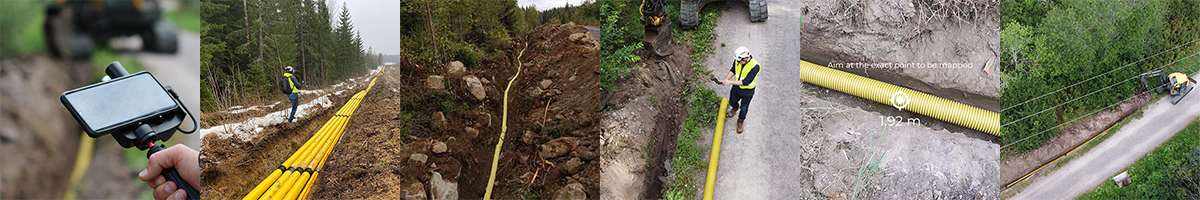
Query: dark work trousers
[[744, 95], [295, 103]]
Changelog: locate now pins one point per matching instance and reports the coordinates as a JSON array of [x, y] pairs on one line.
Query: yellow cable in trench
[[711, 180], [83, 159], [295, 177], [487, 194]]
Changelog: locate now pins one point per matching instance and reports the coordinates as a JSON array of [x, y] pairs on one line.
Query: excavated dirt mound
[[409, 140], [552, 143]]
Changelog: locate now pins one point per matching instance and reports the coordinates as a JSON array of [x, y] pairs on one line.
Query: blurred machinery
[[72, 27]]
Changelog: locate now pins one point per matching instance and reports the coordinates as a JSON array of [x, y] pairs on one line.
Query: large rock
[[475, 87], [546, 83], [438, 120], [472, 133], [557, 147], [440, 147], [455, 68], [573, 166], [442, 188], [570, 192], [414, 191], [578, 36], [418, 158], [435, 82]]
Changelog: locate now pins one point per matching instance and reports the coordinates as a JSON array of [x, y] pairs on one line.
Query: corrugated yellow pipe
[[918, 102], [711, 180], [297, 174]]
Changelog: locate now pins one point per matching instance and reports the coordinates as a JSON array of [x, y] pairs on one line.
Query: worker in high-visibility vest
[[744, 77], [295, 95]]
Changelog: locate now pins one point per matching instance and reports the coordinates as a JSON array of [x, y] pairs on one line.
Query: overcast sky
[[543, 5], [378, 21]]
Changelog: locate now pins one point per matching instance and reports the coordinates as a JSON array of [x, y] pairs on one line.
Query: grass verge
[[184, 20], [687, 164]]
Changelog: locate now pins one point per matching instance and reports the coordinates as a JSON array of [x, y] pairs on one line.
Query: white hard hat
[[741, 52]]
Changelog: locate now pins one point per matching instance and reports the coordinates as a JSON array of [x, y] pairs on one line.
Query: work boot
[[740, 126], [731, 112]]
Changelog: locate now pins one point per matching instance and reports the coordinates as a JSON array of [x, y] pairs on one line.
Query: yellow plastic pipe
[[711, 180], [918, 102], [306, 163]]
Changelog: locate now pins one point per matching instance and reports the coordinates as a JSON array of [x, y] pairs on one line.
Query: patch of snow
[[250, 128]]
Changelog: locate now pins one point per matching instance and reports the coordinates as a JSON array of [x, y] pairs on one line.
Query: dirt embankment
[[430, 131], [911, 32], [642, 125]]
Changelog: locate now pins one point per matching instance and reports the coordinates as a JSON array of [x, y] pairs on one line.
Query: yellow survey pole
[[711, 179]]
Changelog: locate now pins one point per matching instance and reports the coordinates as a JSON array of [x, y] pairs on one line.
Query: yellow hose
[[918, 102], [83, 158], [487, 194], [297, 174], [711, 179]]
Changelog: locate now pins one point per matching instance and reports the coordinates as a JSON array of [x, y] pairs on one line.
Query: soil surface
[[906, 31], [40, 139], [642, 124], [409, 140]]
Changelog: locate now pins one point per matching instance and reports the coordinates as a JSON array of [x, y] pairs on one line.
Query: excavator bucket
[[658, 38]]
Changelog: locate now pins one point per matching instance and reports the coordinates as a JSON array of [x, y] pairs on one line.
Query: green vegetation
[[189, 21], [243, 50], [586, 13], [688, 161], [1049, 45], [21, 27], [622, 35], [1172, 171]]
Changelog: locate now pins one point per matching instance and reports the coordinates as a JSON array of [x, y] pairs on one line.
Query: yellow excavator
[[658, 26], [1178, 83]]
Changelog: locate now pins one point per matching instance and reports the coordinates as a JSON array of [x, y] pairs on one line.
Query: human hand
[[185, 161]]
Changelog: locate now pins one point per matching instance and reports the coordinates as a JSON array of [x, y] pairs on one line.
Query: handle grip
[[171, 175]]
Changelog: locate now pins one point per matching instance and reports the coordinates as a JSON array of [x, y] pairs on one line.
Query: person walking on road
[[744, 76], [294, 96]]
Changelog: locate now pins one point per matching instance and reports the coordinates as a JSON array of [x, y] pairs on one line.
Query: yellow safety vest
[[739, 72], [290, 83]]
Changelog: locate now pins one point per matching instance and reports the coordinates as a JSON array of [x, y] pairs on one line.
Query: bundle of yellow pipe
[[294, 178], [918, 102]]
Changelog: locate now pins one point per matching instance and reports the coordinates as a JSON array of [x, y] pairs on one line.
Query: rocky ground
[[430, 131]]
